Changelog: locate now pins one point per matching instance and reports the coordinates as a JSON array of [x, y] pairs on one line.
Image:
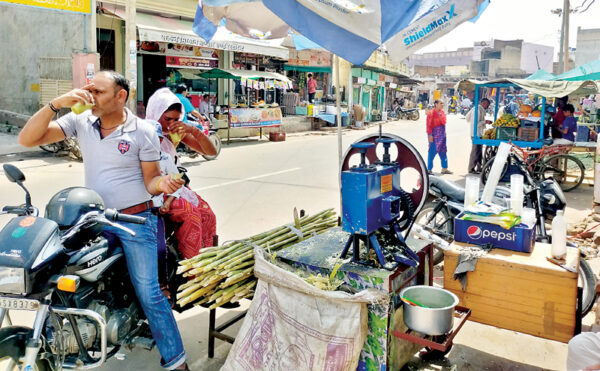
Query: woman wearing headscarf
[[195, 222], [436, 134]]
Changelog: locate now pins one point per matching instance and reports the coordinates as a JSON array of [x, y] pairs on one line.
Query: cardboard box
[[519, 238], [518, 291], [528, 134]]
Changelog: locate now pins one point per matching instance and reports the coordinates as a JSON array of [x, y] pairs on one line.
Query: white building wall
[[532, 54], [588, 46]]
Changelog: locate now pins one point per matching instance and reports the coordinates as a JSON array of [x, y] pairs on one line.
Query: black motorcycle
[[435, 221], [407, 113], [62, 267]]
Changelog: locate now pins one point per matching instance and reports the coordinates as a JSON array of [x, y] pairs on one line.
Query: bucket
[[436, 316]]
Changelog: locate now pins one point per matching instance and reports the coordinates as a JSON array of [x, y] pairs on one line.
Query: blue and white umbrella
[[351, 29]]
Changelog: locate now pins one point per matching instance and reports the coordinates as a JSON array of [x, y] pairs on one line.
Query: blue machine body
[[370, 198]]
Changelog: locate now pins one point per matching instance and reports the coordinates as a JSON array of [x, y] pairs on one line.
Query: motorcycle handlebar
[[112, 214]]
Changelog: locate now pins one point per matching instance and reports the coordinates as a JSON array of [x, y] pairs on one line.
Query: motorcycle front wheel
[[414, 115], [13, 340], [216, 141]]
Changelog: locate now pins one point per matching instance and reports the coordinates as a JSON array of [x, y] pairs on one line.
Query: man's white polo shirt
[[113, 164]]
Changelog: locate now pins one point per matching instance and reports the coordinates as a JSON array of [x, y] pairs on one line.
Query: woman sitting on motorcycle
[[194, 219]]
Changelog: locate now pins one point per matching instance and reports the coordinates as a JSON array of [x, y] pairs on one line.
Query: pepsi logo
[[474, 232]]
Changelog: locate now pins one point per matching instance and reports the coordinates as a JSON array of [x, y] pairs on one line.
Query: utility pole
[[131, 50], [566, 12]]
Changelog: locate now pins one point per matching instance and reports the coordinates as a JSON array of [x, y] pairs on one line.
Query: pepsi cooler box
[[519, 238]]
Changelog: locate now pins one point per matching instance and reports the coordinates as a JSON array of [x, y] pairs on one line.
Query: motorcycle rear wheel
[[216, 141], [442, 222], [414, 115]]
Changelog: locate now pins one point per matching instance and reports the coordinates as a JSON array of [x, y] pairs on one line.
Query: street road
[[254, 186]]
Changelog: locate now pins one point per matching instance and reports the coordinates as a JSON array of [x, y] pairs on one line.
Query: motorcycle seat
[[447, 188]]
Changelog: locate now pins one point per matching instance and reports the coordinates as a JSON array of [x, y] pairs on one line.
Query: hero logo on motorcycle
[[476, 233]]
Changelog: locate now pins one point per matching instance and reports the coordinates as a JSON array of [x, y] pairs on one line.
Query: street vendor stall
[[258, 115], [525, 127]]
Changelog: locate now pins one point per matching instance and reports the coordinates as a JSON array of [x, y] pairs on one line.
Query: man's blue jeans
[[142, 263]]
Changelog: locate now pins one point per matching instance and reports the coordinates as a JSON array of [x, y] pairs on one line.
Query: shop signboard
[[196, 63], [181, 50], [79, 6], [255, 117], [309, 58]]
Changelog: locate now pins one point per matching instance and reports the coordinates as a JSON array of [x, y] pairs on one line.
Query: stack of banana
[[507, 121]]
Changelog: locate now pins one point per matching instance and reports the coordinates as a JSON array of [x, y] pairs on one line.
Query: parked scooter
[[435, 221], [75, 280], [407, 113]]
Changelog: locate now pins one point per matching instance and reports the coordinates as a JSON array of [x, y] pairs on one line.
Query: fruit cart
[[526, 100], [525, 126], [258, 115]]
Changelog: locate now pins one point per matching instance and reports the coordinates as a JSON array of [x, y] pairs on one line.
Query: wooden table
[[519, 291]]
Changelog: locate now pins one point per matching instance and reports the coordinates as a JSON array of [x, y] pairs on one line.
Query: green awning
[[541, 75], [289, 67], [222, 73], [548, 89], [588, 71]]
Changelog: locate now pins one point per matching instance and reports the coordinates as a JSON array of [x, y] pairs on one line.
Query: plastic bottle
[[559, 236], [89, 73]]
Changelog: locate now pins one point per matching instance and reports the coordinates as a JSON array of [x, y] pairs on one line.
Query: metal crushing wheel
[[414, 179]]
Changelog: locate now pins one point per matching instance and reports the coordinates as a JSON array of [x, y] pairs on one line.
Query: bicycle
[[544, 163]]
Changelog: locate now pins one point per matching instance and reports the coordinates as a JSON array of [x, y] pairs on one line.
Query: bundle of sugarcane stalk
[[222, 274]]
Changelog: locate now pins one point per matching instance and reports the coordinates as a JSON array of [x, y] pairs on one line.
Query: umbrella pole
[[339, 121], [228, 112], [338, 107]]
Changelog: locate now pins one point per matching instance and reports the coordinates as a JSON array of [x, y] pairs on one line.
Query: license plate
[[19, 304]]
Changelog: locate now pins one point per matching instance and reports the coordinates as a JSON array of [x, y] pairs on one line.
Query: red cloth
[[196, 226], [435, 118], [559, 117], [312, 86]]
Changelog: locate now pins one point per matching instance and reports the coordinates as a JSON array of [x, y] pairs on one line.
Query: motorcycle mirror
[[13, 173]]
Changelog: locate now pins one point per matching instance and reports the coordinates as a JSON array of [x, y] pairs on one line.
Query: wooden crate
[[518, 291]]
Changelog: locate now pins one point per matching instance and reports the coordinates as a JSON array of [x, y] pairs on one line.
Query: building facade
[[588, 46]]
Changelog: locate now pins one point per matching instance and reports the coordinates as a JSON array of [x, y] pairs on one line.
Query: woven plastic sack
[[292, 325]]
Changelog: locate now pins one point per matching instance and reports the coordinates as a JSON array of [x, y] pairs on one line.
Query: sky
[[529, 20]]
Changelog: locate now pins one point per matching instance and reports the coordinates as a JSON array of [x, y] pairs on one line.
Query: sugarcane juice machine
[[376, 211]]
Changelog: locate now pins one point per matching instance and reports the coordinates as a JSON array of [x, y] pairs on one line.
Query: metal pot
[[437, 318]]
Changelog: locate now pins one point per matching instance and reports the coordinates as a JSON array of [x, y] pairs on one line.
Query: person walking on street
[[312, 88], [475, 159], [120, 158], [436, 133]]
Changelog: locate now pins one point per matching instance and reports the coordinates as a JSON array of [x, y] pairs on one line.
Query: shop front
[[169, 53], [251, 92], [301, 63]]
